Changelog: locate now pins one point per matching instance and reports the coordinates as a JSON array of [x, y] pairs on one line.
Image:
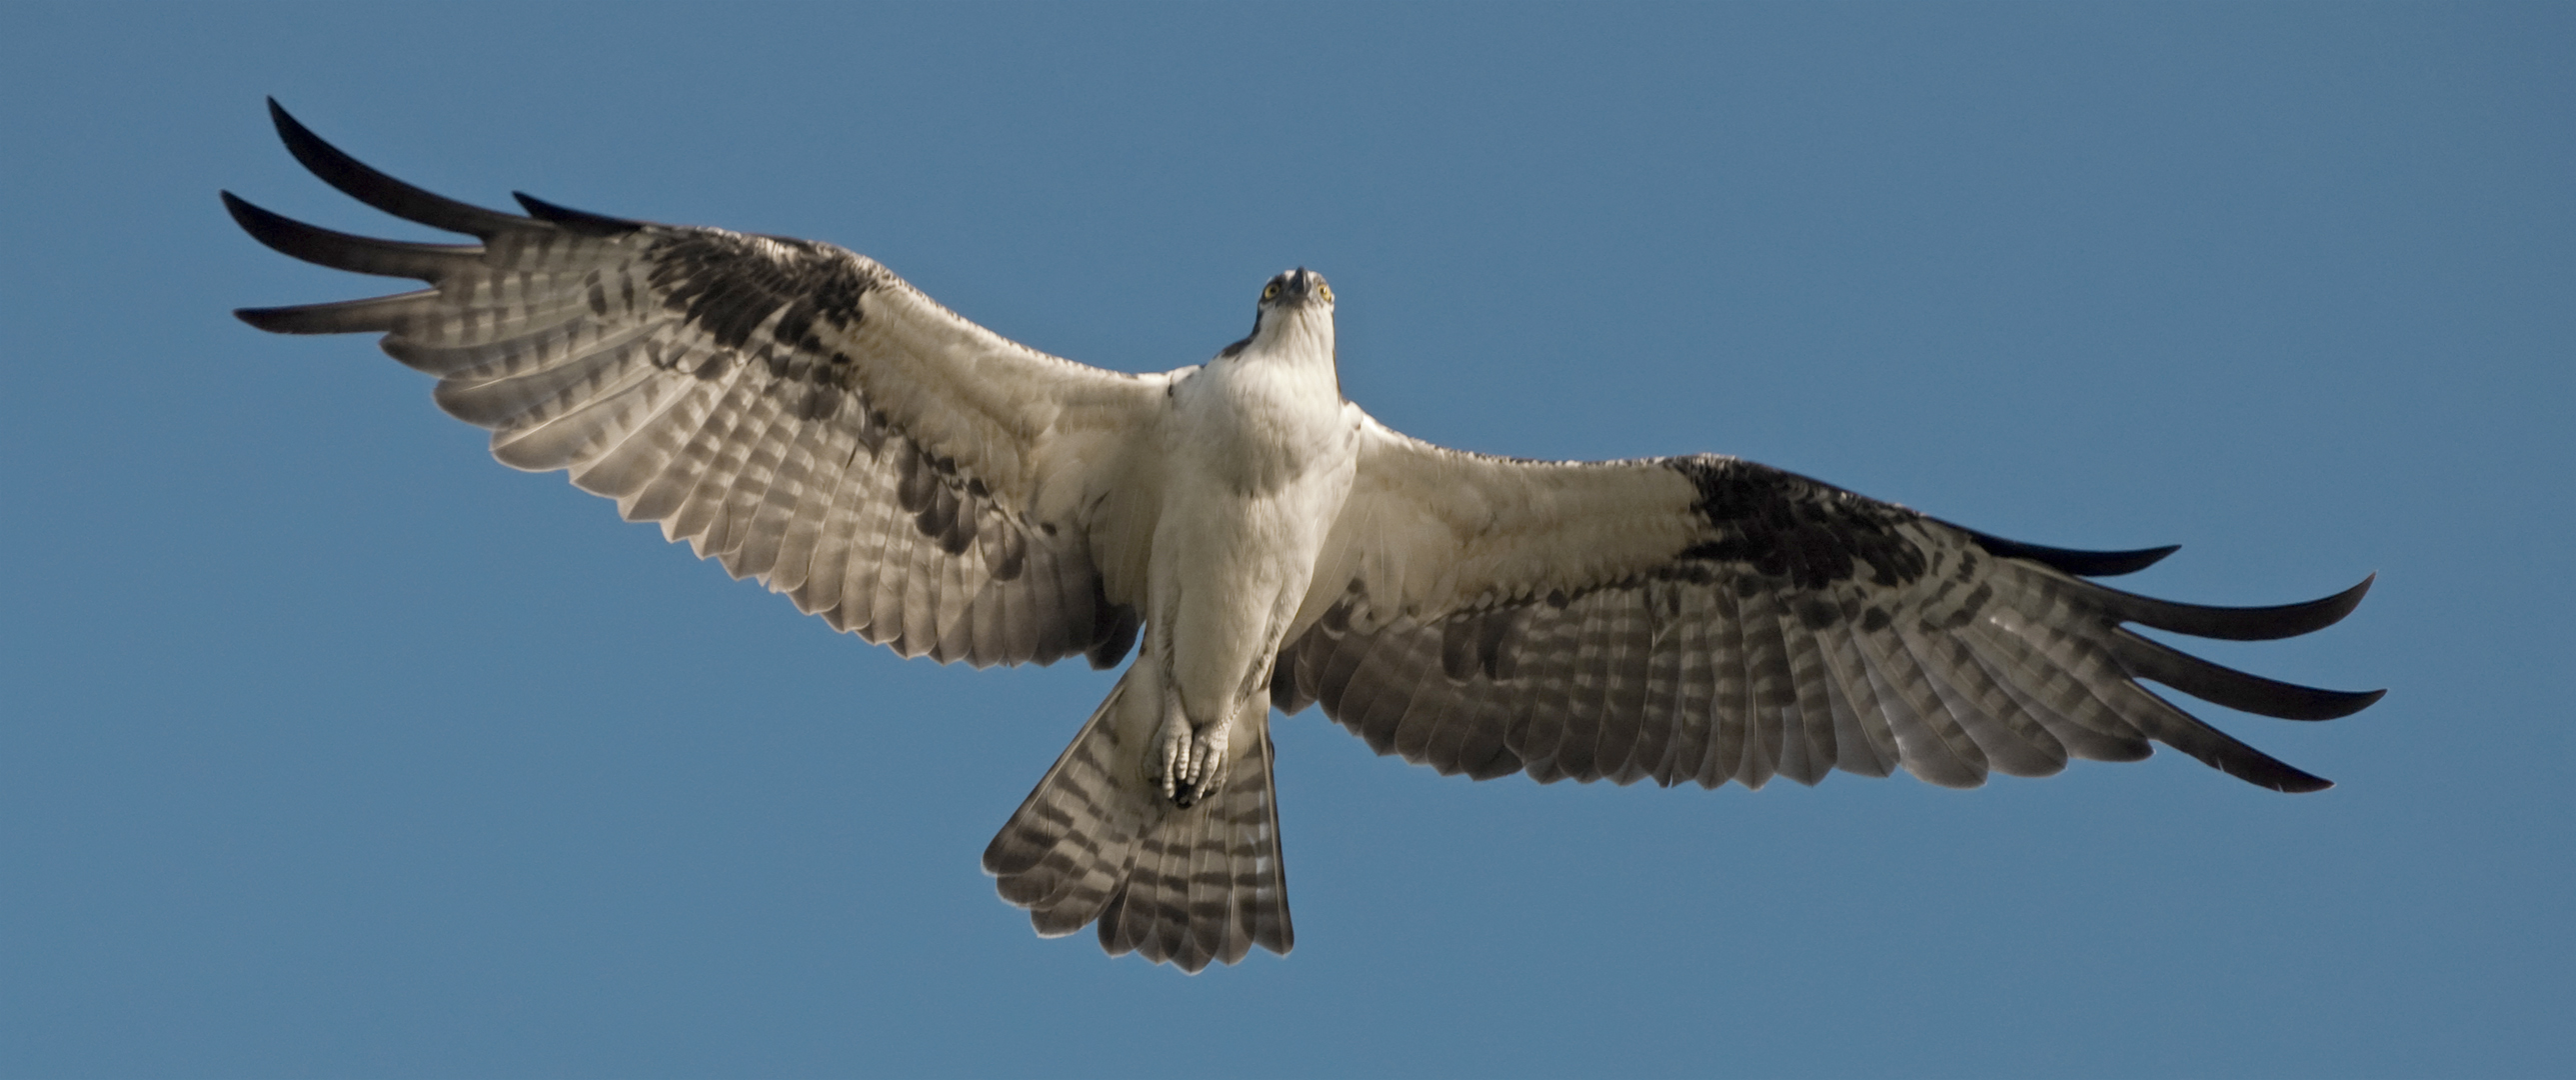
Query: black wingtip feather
[[2234, 623], [342, 251], [2235, 689], [580, 221], [276, 320], [364, 183], [2072, 561], [2169, 725], [375, 314]]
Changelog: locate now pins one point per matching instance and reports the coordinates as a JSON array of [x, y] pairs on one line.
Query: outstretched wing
[[790, 408], [1706, 619]]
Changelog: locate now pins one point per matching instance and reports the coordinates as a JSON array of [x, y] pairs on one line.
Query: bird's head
[[1296, 312], [1296, 289]]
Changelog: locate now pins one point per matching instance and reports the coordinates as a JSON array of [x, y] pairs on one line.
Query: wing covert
[[790, 408], [1705, 619]]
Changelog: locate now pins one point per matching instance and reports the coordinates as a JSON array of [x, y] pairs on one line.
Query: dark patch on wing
[[1785, 525], [1471, 643], [728, 284]]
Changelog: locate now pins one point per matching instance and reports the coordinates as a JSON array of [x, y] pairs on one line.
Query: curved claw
[[1189, 762]]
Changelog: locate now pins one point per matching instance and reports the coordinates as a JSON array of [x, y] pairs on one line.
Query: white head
[[1295, 317]]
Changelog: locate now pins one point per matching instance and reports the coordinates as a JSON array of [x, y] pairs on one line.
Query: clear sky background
[[329, 747]]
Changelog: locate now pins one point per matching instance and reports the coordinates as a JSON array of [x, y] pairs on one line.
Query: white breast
[[1259, 458]]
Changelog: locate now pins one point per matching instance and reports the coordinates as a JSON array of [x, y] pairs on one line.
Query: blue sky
[[329, 747]]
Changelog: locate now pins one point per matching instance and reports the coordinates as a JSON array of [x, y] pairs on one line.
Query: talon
[[1192, 761], [1207, 760]]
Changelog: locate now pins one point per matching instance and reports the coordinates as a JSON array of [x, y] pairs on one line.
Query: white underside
[[1259, 455]]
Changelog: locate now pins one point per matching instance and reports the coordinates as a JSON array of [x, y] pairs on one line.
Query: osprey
[[802, 414]]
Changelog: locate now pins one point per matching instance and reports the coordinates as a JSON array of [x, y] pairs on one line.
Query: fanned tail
[[1096, 841]]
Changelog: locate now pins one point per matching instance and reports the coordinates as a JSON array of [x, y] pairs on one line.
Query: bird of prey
[[800, 413]]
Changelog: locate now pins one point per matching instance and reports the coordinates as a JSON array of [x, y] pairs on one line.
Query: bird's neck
[[1300, 340]]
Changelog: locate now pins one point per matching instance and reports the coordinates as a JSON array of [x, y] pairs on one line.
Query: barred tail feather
[[1206, 883], [1096, 841]]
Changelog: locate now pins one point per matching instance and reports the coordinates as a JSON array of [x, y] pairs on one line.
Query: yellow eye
[[1325, 291], [1271, 292]]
